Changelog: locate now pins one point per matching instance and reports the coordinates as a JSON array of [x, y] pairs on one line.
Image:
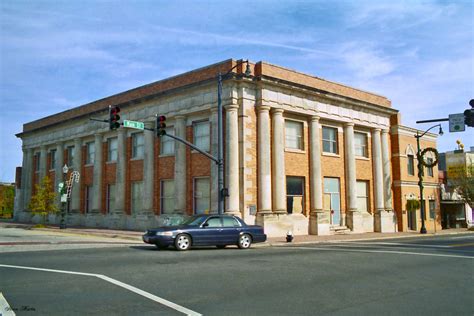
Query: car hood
[[168, 228]]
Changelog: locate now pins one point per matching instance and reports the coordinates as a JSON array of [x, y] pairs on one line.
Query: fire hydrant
[[289, 236]]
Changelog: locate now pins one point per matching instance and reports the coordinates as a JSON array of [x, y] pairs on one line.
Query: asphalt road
[[410, 276]]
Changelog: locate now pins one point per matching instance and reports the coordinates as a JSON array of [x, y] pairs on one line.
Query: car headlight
[[164, 233]]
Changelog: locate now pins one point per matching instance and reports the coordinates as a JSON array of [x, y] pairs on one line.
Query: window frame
[[70, 156], [168, 141], [299, 136], [429, 170], [111, 150], [411, 165], [364, 147], [195, 180], [334, 142], [303, 194], [207, 147], [365, 197], [108, 197], [90, 159], [136, 153], [136, 200], [53, 160], [165, 198]]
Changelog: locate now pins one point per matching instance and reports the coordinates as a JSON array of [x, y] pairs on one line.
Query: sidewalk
[[273, 241]]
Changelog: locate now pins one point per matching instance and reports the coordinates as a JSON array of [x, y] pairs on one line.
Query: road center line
[[398, 244], [384, 251], [131, 288]]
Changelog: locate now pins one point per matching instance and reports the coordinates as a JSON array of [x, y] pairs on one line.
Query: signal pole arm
[[179, 139]]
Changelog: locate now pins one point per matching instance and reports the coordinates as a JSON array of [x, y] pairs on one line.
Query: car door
[[211, 231], [231, 229]]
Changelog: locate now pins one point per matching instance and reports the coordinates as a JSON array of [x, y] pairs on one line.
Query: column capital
[[315, 118], [347, 124], [43, 147], [231, 107], [376, 130], [263, 108], [277, 111], [98, 135], [180, 117], [385, 131], [214, 109]]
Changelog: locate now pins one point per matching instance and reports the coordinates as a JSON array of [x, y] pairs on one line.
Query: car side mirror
[[205, 225]]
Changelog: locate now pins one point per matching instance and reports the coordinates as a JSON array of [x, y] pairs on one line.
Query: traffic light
[[114, 117], [160, 125], [469, 117]]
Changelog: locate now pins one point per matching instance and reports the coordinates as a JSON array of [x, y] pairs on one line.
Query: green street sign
[[133, 124]]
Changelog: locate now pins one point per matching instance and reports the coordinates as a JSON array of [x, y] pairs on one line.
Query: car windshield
[[194, 220]]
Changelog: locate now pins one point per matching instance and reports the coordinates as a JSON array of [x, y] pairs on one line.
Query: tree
[[464, 183], [43, 202], [7, 200]]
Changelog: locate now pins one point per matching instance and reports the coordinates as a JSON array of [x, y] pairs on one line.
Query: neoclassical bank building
[[301, 153]]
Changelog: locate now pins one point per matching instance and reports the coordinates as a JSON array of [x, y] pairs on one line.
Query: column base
[[277, 225], [359, 222], [385, 222], [319, 223]]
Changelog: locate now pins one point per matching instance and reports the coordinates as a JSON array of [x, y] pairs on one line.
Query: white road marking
[[462, 237], [131, 288], [397, 244], [5, 309], [385, 251]]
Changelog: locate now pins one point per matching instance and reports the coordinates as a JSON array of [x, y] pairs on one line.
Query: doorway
[[332, 199]]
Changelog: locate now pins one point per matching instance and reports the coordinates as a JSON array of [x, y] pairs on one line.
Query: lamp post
[[62, 224], [420, 173], [222, 192]]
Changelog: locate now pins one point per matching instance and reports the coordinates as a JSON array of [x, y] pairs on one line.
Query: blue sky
[[55, 55]]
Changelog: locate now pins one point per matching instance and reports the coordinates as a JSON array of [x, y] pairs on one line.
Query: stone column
[[180, 167], [278, 162], [97, 181], [378, 171], [28, 186], [387, 173], [264, 161], [76, 187], [214, 167], [58, 171], [384, 221], [148, 172], [232, 160], [318, 219], [120, 171], [43, 162], [354, 217]]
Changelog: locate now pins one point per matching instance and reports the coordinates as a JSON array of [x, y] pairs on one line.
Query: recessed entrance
[[332, 199]]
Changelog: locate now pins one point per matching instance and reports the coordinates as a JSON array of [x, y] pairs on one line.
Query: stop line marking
[[131, 288]]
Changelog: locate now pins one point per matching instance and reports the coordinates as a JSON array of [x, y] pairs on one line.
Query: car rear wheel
[[245, 241], [182, 242]]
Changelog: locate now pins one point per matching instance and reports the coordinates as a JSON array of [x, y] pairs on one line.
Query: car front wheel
[[182, 242], [245, 241]]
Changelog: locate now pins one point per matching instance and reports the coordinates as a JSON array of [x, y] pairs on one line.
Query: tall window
[[70, 156], [112, 149], [137, 145], [432, 206], [202, 193], [362, 196], [202, 135], [167, 143], [429, 169], [167, 196], [294, 195], [37, 161], [90, 155], [360, 144], [294, 135], [88, 198], [110, 205], [330, 140], [411, 165], [52, 155], [137, 196]]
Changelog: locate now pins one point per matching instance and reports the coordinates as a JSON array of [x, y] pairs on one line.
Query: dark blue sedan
[[206, 230]]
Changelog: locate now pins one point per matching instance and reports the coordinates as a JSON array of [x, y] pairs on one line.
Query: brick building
[[301, 153]]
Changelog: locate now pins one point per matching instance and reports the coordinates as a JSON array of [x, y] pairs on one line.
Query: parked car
[[206, 230]]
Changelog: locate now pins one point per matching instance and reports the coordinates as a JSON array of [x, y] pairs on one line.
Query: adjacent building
[[301, 154]]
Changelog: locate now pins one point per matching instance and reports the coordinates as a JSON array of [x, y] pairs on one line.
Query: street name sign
[[140, 125], [456, 123]]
